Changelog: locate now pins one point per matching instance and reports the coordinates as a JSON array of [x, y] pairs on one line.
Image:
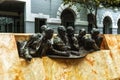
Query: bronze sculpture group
[[64, 45]]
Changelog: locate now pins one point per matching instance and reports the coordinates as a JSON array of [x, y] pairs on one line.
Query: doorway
[[68, 18], [107, 25], [12, 16]]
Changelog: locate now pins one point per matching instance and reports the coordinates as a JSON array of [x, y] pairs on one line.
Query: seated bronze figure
[[46, 47], [89, 44], [61, 43], [96, 36], [80, 37], [73, 42], [86, 41], [27, 49]]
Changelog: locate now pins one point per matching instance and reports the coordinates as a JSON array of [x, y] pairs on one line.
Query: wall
[[53, 12], [47, 7], [30, 27], [112, 13], [35, 8]]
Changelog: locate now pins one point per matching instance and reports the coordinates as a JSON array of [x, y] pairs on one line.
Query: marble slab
[[110, 41], [9, 59], [98, 65]]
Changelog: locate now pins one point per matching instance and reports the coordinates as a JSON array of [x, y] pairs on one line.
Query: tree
[[92, 5]]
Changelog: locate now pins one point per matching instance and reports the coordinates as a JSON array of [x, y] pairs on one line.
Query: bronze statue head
[[82, 32], [49, 33], [95, 32], [70, 31], [43, 28], [61, 30]]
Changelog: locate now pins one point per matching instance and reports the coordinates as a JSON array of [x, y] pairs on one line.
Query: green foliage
[[89, 4], [111, 3], [106, 3]]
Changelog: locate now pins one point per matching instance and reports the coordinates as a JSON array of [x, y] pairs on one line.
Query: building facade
[[27, 16]]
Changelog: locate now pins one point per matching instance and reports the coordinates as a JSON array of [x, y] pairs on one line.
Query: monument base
[[98, 65]]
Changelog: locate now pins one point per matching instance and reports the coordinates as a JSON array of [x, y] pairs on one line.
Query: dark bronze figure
[[89, 44], [73, 42], [27, 49], [96, 36], [82, 33], [86, 41], [60, 42], [46, 47], [43, 28]]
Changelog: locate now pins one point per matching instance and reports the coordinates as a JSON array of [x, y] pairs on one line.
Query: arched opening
[[107, 25], [118, 31], [67, 18]]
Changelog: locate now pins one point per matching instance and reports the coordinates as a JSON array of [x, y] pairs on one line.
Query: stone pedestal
[[9, 59], [99, 65]]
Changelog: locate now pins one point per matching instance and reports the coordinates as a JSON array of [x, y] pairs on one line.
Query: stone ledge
[[99, 65]]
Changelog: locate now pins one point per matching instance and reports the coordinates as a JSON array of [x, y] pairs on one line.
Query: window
[[38, 23]]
